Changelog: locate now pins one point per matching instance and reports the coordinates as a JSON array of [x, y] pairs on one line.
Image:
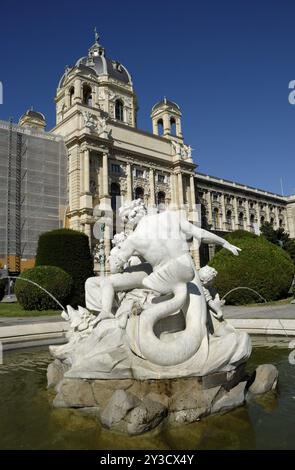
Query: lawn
[[15, 310]]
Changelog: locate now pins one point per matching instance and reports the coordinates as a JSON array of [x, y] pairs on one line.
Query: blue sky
[[226, 63]]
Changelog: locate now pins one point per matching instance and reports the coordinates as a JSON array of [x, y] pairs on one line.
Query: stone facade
[[109, 157]]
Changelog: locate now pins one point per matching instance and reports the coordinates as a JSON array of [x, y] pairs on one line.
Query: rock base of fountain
[[136, 406]]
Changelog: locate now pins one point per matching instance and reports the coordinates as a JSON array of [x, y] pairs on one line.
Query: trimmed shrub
[[2, 288], [261, 266], [68, 250], [53, 279]]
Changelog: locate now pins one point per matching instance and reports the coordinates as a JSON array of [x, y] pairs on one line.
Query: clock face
[[92, 187]]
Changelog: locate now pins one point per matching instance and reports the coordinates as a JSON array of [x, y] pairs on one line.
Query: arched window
[[281, 222], [241, 220], [172, 126], [138, 193], [215, 218], [160, 127], [119, 110], [87, 95], [72, 92], [115, 192], [272, 220], [229, 220], [262, 220]]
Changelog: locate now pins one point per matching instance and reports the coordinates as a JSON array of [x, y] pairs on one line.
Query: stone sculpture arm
[[207, 237]]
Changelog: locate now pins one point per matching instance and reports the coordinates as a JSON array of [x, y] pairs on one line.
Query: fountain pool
[[28, 420]]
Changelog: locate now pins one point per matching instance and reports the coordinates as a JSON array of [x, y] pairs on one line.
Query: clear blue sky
[[226, 63]]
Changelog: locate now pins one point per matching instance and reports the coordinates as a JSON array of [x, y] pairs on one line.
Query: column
[[129, 181], [192, 190], [105, 177], [248, 224], [166, 124], [174, 198], [267, 212], [209, 207], [86, 171], [180, 189], [178, 127], [67, 98], [236, 215], [277, 220], [78, 91], [155, 127], [152, 187], [223, 215], [81, 172]]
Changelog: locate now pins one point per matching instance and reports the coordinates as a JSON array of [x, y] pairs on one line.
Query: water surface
[[28, 420]]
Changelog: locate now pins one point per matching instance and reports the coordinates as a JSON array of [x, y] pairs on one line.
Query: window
[[215, 218], [138, 193], [138, 173], [272, 220], [161, 196], [115, 168], [119, 110], [87, 95], [281, 222], [240, 202], [252, 222], [229, 220], [160, 127], [228, 199], [72, 92], [115, 192], [172, 126], [241, 220], [251, 205], [261, 220], [215, 197], [161, 178]]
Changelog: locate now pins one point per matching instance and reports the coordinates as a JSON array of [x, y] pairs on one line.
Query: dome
[[167, 103], [33, 119], [97, 61], [33, 115]]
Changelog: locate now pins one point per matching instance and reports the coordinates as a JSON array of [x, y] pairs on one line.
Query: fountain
[[152, 346]]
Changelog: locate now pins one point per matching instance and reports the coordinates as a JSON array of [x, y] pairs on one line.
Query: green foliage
[[261, 266], [53, 279], [69, 250], [279, 237], [2, 288]]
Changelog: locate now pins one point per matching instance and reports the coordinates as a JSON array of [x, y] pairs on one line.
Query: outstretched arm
[[206, 237]]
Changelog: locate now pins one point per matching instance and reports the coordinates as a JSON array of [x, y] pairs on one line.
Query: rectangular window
[[115, 168], [138, 173], [161, 179]]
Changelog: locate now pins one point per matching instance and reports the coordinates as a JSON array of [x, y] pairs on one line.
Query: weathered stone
[[187, 416], [55, 373], [145, 417], [104, 389], [265, 379], [74, 393], [118, 406], [229, 399], [193, 398]]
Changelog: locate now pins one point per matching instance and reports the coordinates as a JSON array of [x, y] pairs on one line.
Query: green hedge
[[53, 279], [69, 250], [2, 288], [261, 266]]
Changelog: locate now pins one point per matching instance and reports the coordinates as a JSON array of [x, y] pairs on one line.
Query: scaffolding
[[33, 190]]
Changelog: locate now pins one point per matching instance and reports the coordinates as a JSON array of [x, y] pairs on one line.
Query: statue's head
[[207, 274], [132, 212]]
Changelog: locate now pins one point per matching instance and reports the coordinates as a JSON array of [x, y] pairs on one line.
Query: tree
[[68, 250]]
